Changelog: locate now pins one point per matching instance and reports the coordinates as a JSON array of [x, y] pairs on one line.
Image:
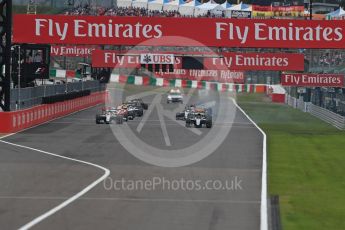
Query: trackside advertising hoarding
[[313, 80], [150, 58], [224, 76], [64, 29], [233, 61], [71, 51], [258, 61]]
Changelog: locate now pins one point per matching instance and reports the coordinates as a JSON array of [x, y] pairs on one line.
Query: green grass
[[306, 164]]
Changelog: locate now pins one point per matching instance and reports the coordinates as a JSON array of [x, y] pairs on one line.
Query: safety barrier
[[31, 96], [297, 103], [181, 83], [328, 116], [18, 120], [323, 114]]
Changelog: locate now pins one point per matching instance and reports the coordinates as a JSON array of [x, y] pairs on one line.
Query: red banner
[[313, 80], [114, 59], [71, 51], [261, 8], [258, 61], [224, 76], [233, 61], [157, 31], [278, 8]]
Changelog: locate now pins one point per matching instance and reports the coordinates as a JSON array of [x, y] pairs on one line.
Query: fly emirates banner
[[64, 29]]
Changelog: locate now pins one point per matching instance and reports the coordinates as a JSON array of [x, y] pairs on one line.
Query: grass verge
[[306, 159]]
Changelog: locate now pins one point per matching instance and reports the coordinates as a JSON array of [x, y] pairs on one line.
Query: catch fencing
[[32, 96], [326, 115]]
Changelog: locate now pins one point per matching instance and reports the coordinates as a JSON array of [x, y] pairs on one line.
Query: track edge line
[[263, 204]]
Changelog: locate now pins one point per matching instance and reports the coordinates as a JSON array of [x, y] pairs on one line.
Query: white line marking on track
[[69, 200], [163, 125], [148, 112], [263, 206], [172, 117]]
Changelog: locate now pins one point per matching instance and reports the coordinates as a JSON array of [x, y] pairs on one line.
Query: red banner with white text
[[224, 76], [71, 51], [160, 31], [258, 61], [313, 80], [232, 61]]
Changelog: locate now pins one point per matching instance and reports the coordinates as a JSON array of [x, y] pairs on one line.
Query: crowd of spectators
[[320, 58], [140, 12], [86, 10], [326, 58], [127, 11]]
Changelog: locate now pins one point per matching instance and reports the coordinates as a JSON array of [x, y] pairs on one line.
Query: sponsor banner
[[156, 59], [262, 11], [224, 76], [258, 61], [114, 59], [233, 61], [62, 29], [278, 11], [241, 14], [312, 80], [71, 51]]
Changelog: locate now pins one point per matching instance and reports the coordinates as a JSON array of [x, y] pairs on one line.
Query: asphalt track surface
[[33, 183]]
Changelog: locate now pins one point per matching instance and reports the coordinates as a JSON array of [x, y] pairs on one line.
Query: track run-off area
[[71, 173]]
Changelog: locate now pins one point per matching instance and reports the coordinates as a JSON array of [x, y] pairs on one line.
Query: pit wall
[[230, 87], [15, 121]]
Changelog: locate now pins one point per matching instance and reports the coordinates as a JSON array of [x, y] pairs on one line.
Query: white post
[[19, 65]]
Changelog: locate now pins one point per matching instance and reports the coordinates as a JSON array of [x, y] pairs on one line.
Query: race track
[[34, 182]]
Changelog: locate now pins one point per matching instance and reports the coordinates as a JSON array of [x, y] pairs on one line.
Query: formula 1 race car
[[183, 115], [128, 113], [135, 108], [192, 109], [198, 119], [108, 115], [144, 105]]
